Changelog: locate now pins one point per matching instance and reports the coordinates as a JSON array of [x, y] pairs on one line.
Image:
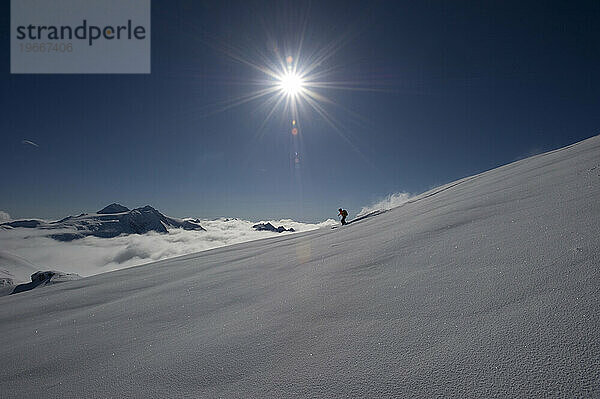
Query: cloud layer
[[92, 255], [4, 217]]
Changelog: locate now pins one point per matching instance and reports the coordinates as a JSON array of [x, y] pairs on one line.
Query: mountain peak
[[113, 208]]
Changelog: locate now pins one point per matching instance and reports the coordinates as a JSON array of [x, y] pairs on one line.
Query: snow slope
[[485, 287], [15, 268]]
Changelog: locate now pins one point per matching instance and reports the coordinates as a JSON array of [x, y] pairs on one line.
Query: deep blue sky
[[457, 88]]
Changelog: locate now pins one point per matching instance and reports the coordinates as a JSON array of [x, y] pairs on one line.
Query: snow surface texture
[[485, 287]]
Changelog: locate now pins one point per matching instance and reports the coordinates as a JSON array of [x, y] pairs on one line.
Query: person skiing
[[343, 213]]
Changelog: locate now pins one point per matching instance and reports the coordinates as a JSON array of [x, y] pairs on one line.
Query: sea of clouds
[[25, 251]]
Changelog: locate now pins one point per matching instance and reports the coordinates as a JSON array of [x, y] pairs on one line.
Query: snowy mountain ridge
[[111, 221]]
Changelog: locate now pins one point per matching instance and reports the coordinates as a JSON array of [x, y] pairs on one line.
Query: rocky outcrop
[[43, 278], [270, 227]]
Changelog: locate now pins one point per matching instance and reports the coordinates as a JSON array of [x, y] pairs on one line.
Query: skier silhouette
[[343, 213]]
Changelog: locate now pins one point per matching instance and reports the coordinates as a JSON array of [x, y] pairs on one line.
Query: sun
[[291, 83]]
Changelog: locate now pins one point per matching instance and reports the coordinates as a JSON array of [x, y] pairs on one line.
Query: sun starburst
[[294, 83], [291, 84]]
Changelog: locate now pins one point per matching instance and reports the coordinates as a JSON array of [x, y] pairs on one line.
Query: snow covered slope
[[14, 268], [485, 287]]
